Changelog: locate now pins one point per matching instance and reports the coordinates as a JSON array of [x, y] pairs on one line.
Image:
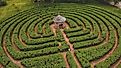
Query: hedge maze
[[93, 39]]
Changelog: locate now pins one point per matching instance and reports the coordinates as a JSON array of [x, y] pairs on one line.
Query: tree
[[2, 2], [48, 1], [43, 2], [115, 1]]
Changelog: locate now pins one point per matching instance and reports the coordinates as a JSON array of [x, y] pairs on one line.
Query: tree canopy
[[115, 1], [2, 2]]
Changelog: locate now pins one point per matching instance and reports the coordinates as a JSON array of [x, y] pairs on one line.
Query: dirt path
[[93, 63], [28, 35], [99, 35], [64, 53], [13, 42], [107, 36], [67, 40], [65, 59], [71, 49], [115, 65], [14, 45], [21, 41], [91, 30], [44, 29], [84, 26], [67, 25], [70, 46], [36, 29], [53, 29], [105, 41], [1, 66], [59, 45], [17, 62]]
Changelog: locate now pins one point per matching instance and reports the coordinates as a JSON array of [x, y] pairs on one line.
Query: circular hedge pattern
[[26, 39]]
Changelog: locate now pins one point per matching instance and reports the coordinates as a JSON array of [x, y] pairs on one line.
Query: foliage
[[29, 38], [2, 3]]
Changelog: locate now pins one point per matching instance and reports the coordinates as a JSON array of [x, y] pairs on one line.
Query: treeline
[[64, 1], [77, 1]]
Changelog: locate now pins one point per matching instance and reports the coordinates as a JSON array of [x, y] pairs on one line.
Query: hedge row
[[83, 38], [79, 33], [71, 30], [50, 61], [95, 52], [71, 60], [114, 57]]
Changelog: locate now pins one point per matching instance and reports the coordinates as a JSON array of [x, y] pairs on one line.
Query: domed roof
[[59, 19]]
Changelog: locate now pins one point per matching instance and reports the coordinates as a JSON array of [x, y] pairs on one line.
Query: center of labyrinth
[[87, 36]]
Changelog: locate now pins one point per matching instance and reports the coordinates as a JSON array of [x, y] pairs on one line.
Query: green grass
[[14, 6]]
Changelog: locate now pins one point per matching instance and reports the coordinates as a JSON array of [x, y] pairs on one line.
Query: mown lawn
[[14, 6]]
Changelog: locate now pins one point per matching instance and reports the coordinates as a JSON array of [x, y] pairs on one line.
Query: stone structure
[[59, 22]]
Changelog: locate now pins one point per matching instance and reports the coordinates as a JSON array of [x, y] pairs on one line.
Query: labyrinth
[[92, 39]]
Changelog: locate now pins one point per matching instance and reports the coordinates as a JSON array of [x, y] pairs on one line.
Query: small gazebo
[[59, 21]]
